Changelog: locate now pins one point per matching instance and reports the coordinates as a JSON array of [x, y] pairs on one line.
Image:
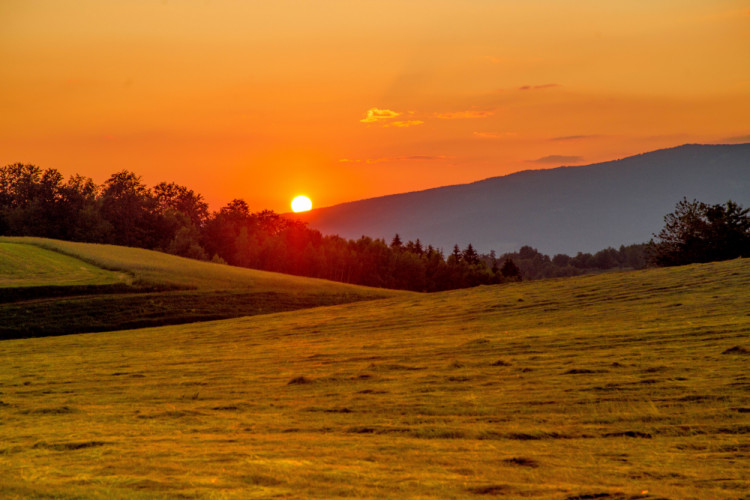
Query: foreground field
[[51, 287], [631, 385]]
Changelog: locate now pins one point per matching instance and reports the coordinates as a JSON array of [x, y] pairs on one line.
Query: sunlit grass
[[590, 387], [24, 265]]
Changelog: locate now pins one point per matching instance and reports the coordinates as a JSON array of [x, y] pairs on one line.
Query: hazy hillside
[[562, 210]]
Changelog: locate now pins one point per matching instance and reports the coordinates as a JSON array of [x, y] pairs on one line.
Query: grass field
[[23, 265], [628, 385], [51, 287]]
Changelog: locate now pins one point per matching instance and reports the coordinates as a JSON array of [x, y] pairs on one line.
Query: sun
[[301, 204]]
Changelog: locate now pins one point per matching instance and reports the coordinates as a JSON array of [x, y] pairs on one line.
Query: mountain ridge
[[559, 210]]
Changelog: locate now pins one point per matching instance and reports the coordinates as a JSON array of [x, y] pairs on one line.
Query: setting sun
[[301, 204]]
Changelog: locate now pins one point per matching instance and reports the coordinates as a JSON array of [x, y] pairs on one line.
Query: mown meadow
[[621, 385]]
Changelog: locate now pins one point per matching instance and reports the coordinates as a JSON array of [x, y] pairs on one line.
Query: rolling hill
[[616, 386], [562, 210], [52, 287]]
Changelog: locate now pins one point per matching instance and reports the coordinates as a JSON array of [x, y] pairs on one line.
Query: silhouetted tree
[[414, 247], [223, 227], [170, 196], [561, 260], [470, 255], [510, 271], [728, 231], [129, 208], [493, 261], [396, 243], [30, 201], [697, 232], [606, 259], [455, 256], [80, 207]]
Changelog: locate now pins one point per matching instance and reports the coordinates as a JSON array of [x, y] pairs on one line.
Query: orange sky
[[349, 99]]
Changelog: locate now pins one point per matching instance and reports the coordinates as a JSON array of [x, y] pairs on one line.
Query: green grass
[[623, 385], [50, 287], [23, 265]]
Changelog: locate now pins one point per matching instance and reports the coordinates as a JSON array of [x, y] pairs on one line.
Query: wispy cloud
[[394, 158], [495, 135], [375, 115], [461, 115], [558, 159], [540, 87], [739, 139], [422, 157], [407, 123], [573, 137]]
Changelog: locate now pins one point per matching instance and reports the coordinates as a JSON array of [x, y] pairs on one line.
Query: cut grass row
[[629, 385]]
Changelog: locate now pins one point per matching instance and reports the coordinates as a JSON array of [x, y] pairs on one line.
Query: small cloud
[[460, 115], [540, 87], [395, 158], [366, 160], [495, 135], [422, 157], [375, 115], [573, 137], [739, 139], [558, 159], [408, 123]]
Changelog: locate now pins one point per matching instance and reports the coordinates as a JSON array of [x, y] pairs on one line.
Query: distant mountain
[[561, 210]]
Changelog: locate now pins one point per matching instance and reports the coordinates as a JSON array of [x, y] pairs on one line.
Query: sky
[[351, 99]]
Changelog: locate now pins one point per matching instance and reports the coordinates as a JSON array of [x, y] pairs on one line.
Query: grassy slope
[[160, 268], [142, 288], [24, 265], [630, 385]]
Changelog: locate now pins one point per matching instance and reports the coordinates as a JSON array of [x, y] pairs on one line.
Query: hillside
[[621, 386], [562, 210], [51, 287], [24, 265]]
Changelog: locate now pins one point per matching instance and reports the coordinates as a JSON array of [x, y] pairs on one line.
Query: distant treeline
[[175, 219]]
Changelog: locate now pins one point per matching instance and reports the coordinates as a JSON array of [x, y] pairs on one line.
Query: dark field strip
[[101, 312], [19, 294]]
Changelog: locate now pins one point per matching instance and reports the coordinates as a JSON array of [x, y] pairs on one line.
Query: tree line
[[174, 219]]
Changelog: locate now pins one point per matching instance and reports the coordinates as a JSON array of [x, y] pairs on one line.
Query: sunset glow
[[351, 100]]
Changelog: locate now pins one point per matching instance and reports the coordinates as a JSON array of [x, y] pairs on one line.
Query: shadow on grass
[[109, 312]]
